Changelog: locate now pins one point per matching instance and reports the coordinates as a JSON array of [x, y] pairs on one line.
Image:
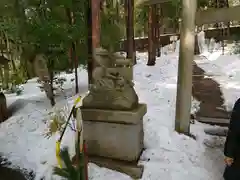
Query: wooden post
[[151, 48], [129, 15], [186, 55]]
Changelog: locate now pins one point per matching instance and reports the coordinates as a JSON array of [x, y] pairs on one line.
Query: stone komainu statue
[[112, 86], [3, 108]]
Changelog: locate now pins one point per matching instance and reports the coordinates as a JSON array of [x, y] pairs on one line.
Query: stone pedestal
[[114, 134]]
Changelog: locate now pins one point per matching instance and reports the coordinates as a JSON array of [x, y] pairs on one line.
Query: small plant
[[60, 119], [57, 120], [58, 83], [70, 171], [236, 48], [17, 78], [19, 90]]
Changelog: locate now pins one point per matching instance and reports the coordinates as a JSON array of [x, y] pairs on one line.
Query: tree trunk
[[70, 21], [13, 64], [6, 76], [73, 54], [11, 58], [24, 66], [93, 23], [145, 29], [90, 56], [30, 70], [223, 4], [151, 47], [129, 15], [186, 55], [51, 93], [75, 60], [3, 108], [196, 46], [45, 74], [96, 23], [158, 44], [11, 52], [1, 75]]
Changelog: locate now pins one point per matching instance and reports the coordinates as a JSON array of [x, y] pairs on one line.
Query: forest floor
[[168, 155]]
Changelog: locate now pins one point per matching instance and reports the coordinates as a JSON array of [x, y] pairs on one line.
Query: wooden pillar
[[151, 35], [129, 18], [186, 55]]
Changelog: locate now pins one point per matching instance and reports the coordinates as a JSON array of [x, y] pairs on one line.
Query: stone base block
[[114, 134], [132, 169]]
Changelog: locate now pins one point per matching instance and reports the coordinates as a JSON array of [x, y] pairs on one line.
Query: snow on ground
[[172, 156], [168, 155], [21, 136]]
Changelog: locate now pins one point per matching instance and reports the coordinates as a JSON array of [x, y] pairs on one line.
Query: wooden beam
[[151, 2], [185, 67], [213, 15]]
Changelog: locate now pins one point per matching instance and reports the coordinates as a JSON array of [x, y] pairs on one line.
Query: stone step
[[210, 110], [213, 121], [216, 131]]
